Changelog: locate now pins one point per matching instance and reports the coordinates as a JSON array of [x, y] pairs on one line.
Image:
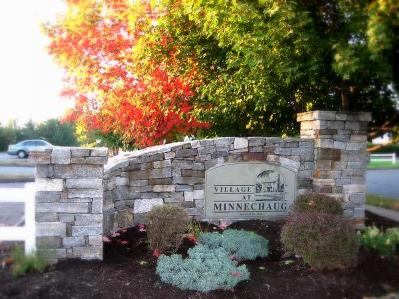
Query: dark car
[[22, 149]]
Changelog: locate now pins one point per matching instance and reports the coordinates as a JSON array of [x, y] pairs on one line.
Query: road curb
[[17, 163], [16, 178], [386, 213]]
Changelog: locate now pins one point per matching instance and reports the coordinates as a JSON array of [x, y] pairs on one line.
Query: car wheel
[[21, 154]]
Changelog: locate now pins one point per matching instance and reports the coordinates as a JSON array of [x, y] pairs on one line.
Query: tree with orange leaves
[[96, 42]]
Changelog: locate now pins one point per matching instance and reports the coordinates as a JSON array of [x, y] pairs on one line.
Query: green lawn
[[387, 149], [375, 164], [382, 202]]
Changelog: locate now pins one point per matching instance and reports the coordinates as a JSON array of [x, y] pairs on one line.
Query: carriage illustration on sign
[[271, 184]]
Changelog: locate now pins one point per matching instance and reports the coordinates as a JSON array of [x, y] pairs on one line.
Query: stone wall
[[340, 140], [69, 201], [175, 173], [77, 201]]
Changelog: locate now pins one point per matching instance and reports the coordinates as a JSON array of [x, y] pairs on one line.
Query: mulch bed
[[128, 271]]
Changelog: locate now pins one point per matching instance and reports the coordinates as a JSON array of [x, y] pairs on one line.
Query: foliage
[[8, 135], [95, 43], [52, 130], [240, 244], [154, 70], [25, 263], [57, 133], [317, 203], [385, 149], [261, 62], [323, 241], [384, 243], [204, 270], [166, 225], [194, 228]]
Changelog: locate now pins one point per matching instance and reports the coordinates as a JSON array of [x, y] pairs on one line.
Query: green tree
[[62, 134], [52, 130], [261, 62], [8, 135]]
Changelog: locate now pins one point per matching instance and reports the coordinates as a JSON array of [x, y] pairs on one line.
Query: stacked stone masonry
[[175, 173], [77, 202], [69, 201], [340, 140]]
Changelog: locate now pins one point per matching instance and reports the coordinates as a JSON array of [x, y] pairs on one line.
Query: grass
[[375, 164], [382, 202], [386, 149]]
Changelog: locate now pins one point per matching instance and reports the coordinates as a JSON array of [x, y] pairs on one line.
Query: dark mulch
[[128, 271]]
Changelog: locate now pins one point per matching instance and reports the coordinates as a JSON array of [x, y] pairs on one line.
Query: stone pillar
[[69, 201], [340, 156]]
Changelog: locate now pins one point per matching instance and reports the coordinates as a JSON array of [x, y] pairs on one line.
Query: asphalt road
[[13, 169], [5, 170], [5, 156], [383, 182], [12, 213]]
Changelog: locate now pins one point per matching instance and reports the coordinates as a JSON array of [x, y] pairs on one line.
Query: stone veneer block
[[40, 157], [61, 155], [71, 242], [80, 152], [78, 171], [46, 184], [84, 183], [62, 207], [96, 160], [145, 205], [86, 230], [84, 193], [50, 229], [240, 143], [99, 152]]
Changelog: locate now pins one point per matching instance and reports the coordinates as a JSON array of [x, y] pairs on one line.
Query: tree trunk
[[345, 102]]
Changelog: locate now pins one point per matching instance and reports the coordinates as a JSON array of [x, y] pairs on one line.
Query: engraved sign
[[249, 190]]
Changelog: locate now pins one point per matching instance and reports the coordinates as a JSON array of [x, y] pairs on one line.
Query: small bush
[[25, 263], [165, 227], [323, 241], [384, 243], [194, 228], [204, 270], [243, 245], [317, 203]]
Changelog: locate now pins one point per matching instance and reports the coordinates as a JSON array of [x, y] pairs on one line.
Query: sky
[[30, 81]]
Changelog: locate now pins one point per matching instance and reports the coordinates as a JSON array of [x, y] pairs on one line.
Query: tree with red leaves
[[96, 42]]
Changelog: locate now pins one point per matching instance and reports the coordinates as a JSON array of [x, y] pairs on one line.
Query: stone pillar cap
[[334, 115]]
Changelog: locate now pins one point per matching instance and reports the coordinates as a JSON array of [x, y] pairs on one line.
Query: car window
[[28, 143], [40, 143]]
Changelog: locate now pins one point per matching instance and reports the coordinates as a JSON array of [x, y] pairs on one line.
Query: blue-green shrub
[[204, 270], [243, 245]]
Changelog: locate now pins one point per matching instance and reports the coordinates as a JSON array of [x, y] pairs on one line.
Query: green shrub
[[24, 263], [194, 228], [384, 243], [243, 245], [165, 227], [317, 203], [204, 270], [323, 241]]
